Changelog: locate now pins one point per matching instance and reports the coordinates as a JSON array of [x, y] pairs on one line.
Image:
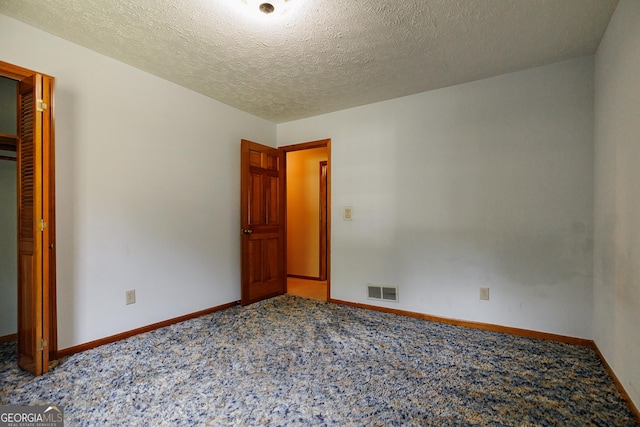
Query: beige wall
[[303, 211]]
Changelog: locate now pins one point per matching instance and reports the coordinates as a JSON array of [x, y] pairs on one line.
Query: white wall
[[617, 200], [8, 249], [489, 183], [148, 179]]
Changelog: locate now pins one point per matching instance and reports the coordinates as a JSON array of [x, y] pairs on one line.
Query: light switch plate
[[347, 213]]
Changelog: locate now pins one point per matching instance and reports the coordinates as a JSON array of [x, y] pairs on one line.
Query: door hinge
[[42, 224], [43, 344], [41, 105]]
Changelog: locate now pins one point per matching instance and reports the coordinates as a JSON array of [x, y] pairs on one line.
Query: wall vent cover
[[382, 293]]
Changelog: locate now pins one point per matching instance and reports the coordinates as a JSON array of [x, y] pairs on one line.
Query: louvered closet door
[[30, 237]]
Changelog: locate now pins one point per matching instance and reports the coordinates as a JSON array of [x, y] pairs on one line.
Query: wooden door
[[33, 274], [262, 222]]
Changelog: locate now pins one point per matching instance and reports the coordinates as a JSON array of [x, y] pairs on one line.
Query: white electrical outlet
[[484, 294], [131, 296]]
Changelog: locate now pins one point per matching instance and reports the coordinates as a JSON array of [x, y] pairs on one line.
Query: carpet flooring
[[292, 361]]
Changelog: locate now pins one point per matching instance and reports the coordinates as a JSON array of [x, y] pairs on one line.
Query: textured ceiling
[[323, 55]]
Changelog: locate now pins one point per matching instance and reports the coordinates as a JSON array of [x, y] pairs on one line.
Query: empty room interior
[[467, 165]]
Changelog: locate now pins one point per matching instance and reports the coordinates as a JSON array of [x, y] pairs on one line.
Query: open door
[[33, 242], [262, 222]]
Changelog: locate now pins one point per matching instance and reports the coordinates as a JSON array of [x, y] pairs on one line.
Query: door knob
[[247, 231]]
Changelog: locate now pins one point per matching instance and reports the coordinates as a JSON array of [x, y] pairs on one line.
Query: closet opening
[[8, 211]]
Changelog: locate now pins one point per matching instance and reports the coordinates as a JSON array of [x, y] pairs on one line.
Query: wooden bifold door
[[37, 338]]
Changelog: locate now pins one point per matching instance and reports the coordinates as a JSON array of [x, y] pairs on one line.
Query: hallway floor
[[313, 289]]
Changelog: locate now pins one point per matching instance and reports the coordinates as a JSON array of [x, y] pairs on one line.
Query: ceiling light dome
[[267, 9]]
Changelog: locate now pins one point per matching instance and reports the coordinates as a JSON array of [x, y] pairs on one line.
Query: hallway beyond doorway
[[313, 289]]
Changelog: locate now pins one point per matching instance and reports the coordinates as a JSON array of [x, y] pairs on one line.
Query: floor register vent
[[382, 293]]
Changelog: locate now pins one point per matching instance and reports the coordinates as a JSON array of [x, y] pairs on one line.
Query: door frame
[[321, 143], [322, 268], [49, 324]]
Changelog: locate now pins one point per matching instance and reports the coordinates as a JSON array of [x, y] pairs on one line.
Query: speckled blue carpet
[[292, 361]]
